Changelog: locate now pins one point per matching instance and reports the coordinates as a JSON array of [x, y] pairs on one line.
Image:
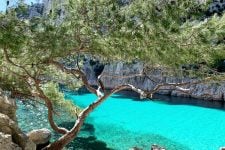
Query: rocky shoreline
[[113, 72], [11, 136]]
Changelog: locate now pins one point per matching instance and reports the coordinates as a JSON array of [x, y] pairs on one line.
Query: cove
[[123, 122]]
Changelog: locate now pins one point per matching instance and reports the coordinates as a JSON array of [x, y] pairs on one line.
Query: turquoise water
[[122, 123]]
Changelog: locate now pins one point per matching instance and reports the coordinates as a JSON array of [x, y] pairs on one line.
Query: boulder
[[40, 136], [11, 136], [9, 127], [6, 142], [8, 107]]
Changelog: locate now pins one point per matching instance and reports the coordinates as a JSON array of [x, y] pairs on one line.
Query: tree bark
[[49, 105]]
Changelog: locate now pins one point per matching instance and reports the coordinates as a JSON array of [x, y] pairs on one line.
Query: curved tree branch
[[49, 105], [40, 95], [14, 64], [69, 136], [75, 72], [177, 86]]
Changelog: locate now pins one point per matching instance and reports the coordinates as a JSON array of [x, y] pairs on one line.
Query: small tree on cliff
[[32, 51]]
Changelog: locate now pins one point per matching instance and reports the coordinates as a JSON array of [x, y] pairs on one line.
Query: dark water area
[[173, 100]]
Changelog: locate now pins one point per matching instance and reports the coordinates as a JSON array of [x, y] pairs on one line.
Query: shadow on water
[[84, 143], [134, 98], [172, 100], [167, 99], [87, 143], [87, 127]]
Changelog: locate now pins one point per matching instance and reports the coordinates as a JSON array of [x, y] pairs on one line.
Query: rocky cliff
[[121, 73], [11, 137], [45, 7]]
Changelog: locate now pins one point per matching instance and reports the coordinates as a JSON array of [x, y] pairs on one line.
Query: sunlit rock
[[40, 136]]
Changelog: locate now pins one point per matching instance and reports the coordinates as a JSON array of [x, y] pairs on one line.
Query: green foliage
[[155, 32], [56, 75], [145, 32], [52, 91]]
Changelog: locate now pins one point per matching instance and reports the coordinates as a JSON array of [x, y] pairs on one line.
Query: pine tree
[[33, 52]]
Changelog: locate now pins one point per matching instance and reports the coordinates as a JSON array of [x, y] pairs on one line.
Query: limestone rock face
[[121, 73], [6, 142], [36, 10], [8, 107], [40, 136], [11, 137]]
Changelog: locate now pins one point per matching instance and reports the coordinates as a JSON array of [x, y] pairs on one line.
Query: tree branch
[[40, 95], [49, 105], [75, 72], [177, 86], [14, 64], [69, 136]]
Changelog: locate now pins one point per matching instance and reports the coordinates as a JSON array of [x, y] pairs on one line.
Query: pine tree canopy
[[158, 33]]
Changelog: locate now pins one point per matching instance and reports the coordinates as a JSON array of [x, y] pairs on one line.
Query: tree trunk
[[68, 137]]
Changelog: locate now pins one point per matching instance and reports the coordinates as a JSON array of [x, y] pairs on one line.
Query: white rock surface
[[116, 75]]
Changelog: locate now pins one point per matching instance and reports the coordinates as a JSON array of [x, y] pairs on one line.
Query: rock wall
[[11, 137], [119, 73], [44, 7]]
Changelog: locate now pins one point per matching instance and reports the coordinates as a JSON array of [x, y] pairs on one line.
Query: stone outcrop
[[45, 8], [217, 6], [8, 107], [11, 137], [113, 72], [36, 10], [6, 142], [40, 136]]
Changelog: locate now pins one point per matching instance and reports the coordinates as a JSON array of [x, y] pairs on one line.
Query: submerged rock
[[157, 147], [135, 148]]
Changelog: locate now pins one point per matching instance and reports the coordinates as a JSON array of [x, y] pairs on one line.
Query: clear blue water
[[122, 123]]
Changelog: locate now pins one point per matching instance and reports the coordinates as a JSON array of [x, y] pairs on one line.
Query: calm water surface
[[121, 123]]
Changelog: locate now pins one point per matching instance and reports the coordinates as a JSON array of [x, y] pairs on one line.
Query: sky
[[13, 2]]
